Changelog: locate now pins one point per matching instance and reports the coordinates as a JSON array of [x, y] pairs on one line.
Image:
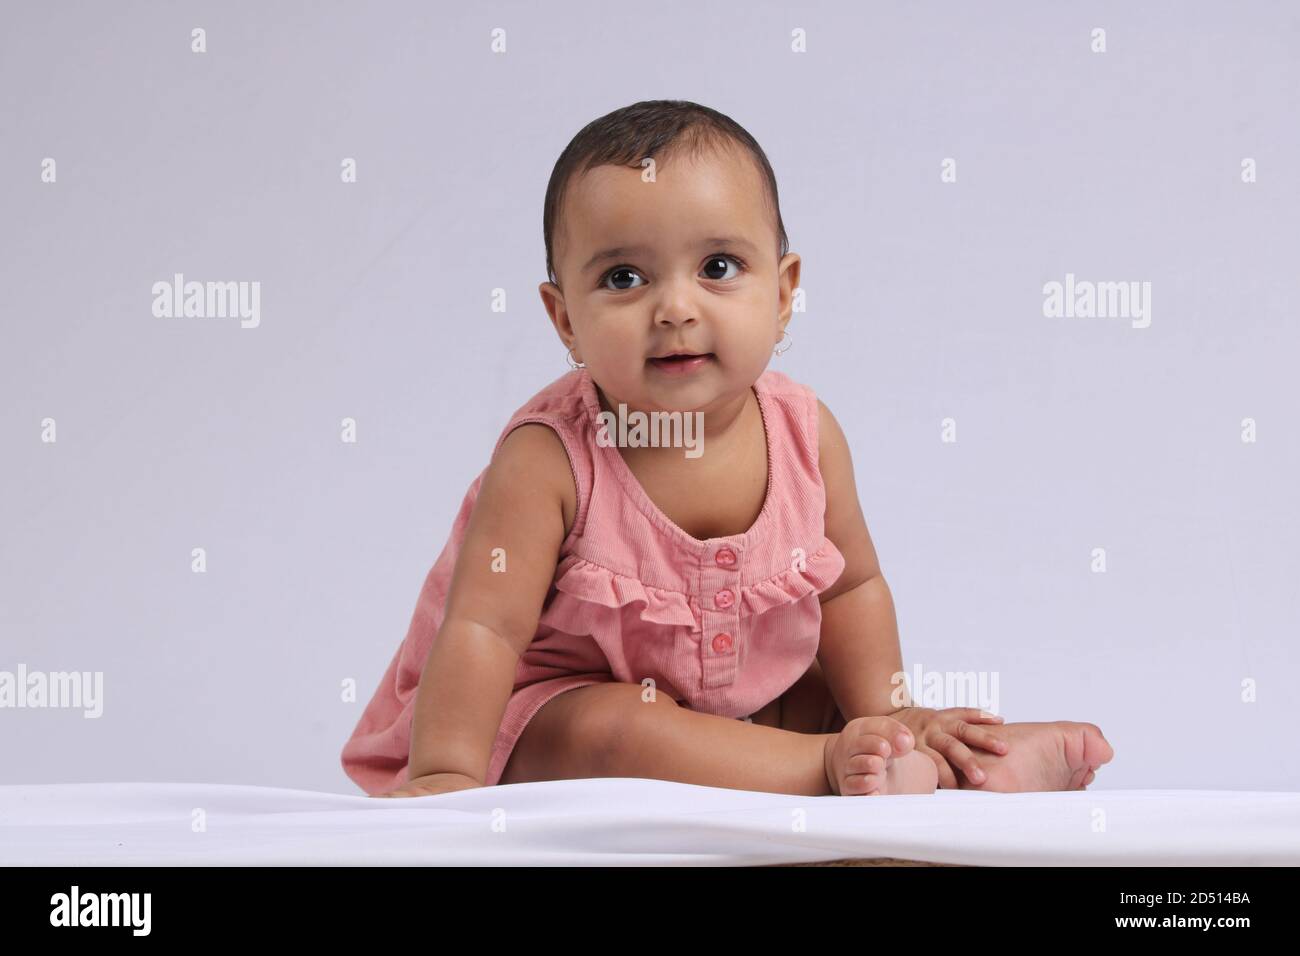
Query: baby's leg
[[607, 730]]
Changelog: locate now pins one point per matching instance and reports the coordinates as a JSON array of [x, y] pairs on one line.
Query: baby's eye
[[715, 261], [619, 275]]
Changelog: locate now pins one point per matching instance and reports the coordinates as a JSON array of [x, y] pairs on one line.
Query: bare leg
[[607, 730], [857, 764], [610, 730]]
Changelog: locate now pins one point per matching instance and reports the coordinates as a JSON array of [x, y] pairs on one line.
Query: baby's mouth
[[681, 364]]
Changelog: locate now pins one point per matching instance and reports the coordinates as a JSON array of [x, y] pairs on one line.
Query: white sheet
[[617, 821]]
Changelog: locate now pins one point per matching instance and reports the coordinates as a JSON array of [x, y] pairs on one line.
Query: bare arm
[[524, 508], [859, 650]]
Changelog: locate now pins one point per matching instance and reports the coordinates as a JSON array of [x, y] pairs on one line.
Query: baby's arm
[[859, 650], [524, 507]]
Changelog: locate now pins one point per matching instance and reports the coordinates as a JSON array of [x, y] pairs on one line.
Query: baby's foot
[[1062, 755], [866, 759]]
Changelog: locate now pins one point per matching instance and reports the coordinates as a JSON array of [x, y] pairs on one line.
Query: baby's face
[[686, 263]]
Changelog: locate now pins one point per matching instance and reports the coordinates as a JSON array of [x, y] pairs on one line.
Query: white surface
[[635, 821]]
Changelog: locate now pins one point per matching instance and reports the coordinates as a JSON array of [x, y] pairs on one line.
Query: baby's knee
[[639, 713]]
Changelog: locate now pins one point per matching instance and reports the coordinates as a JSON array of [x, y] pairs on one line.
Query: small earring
[[572, 363], [778, 350]]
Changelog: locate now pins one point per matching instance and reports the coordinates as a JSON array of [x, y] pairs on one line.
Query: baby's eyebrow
[[624, 252], [615, 252]]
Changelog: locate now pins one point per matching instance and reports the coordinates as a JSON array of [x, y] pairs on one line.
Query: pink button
[[725, 557], [722, 643], [724, 598]]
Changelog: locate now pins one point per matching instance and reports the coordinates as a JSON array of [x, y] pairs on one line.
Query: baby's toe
[[865, 764], [1096, 749], [1085, 749], [861, 784]]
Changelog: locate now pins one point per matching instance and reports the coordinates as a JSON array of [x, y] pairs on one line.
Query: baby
[[610, 605]]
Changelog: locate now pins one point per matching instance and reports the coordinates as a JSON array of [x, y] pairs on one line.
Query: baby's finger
[[958, 754], [983, 738], [947, 779]]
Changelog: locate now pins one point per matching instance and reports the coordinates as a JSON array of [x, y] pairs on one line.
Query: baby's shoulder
[[834, 460], [531, 460], [830, 437], [816, 422]]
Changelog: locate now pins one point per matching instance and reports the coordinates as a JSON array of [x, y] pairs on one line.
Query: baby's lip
[[679, 353]]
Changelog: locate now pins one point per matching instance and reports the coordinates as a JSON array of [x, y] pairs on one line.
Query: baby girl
[[607, 609]]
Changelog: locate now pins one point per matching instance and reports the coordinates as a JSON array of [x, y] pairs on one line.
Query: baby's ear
[[553, 301], [787, 277]]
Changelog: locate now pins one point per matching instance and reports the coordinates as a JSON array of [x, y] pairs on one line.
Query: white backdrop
[[925, 303]]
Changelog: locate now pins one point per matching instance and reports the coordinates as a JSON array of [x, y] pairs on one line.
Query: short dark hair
[[646, 129]]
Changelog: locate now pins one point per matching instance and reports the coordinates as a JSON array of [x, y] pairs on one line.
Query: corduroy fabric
[[723, 625]]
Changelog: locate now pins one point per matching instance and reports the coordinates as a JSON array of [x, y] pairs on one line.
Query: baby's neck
[[651, 435]]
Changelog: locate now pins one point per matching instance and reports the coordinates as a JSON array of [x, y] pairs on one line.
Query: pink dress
[[724, 625]]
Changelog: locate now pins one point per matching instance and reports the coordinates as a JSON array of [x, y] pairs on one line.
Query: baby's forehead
[[682, 201], [718, 169]]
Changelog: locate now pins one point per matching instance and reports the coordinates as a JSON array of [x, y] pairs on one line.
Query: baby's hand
[[943, 736], [433, 783]]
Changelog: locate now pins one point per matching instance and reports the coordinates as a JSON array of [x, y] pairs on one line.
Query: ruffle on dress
[[584, 583], [599, 585], [814, 574]]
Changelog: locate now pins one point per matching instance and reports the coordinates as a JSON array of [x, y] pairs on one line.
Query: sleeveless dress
[[723, 625]]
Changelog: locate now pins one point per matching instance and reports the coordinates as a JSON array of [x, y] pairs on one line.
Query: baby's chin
[[702, 391]]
